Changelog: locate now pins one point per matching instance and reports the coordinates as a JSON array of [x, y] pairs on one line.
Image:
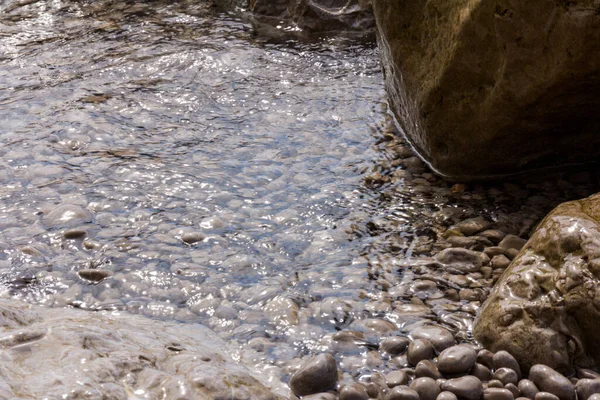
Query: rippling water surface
[[170, 161]]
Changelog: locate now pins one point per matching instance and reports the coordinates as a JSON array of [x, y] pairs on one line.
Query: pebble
[[353, 391], [486, 357], [528, 388], [548, 380], [506, 375], [427, 369], [513, 388], [503, 359], [317, 374], [512, 242], [495, 383], [75, 234], [446, 396], [471, 226], [402, 393], [420, 349], [497, 394], [595, 396], [378, 325], [94, 275], [193, 237], [321, 396], [396, 378], [456, 359], [466, 387], [440, 338], [584, 373], [545, 396], [66, 216], [482, 372], [427, 388], [461, 259], [587, 387], [394, 345], [500, 261]]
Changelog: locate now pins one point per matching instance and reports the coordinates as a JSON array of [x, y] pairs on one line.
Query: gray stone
[[513, 389], [542, 310], [402, 393], [466, 387], [503, 359], [497, 394], [471, 226], [460, 259], [440, 338], [482, 372], [500, 261], [446, 396], [427, 369], [396, 378], [67, 216], [506, 375], [545, 396], [495, 383], [394, 345], [427, 388], [316, 374], [528, 388], [486, 358], [587, 387], [512, 242], [420, 349], [353, 391], [548, 380], [457, 359], [486, 88], [94, 275]]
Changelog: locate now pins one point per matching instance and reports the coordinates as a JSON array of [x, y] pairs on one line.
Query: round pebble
[[486, 357], [528, 388], [353, 391], [427, 388], [396, 378], [548, 380], [420, 349], [497, 394], [446, 396], [587, 387], [545, 396], [482, 372], [426, 368], [495, 383], [513, 388], [456, 359], [506, 375], [402, 393], [317, 374], [466, 387], [394, 345], [595, 396], [503, 359], [440, 338]]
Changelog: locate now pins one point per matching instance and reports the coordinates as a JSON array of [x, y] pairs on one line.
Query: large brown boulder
[[493, 87], [545, 309]]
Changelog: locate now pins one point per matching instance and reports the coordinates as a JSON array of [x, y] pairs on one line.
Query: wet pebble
[[595, 396], [466, 387], [548, 380], [500, 261], [471, 226], [503, 359], [482, 372], [506, 375], [439, 337], [528, 388], [456, 359], [587, 387], [461, 259], [486, 357], [497, 394], [513, 388], [512, 242], [446, 396], [396, 378], [394, 345], [495, 383], [317, 374], [402, 393], [427, 369], [545, 396], [321, 396], [353, 391], [67, 215], [427, 388], [420, 349], [94, 275], [193, 237]]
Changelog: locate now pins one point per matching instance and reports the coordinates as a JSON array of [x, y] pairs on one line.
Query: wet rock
[[584, 373], [317, 374], [506, 375], [587, 387], [482, 372], [446, 396], [427, 388], [66, 216], [466, 387], [461, 259], [439, 337], [353, 391], [396, 378], [193, 237], [503, 359], [456, 360], [495, 383], [321, 396], [497, 394], [527, 388], [402, 393], [548, 380], [394, 345], [419, 349], [595, 396], [52, 342], [455, 102], [545, 396], [552, 283], [486, 357], [513, 389], [512, 242], [94, 275], [500, 261], [427, 369], [471, 226], [378, 325]]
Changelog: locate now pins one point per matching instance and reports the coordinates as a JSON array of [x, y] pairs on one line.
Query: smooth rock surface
[[317, 374], [456, 359], [587, 387], [466, 387], [548, 380], [66, 353], [484, 88], [440, 337], [544, 308]]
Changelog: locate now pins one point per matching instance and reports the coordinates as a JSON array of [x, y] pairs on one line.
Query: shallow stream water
[[167, 160]]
